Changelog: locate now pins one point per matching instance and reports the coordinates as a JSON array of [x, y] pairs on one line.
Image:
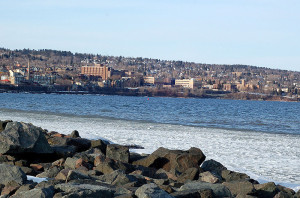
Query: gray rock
[[218, 189], [85, 190], [10, 173], [35, 193], [151, 191], [117, 152], [19, 137]]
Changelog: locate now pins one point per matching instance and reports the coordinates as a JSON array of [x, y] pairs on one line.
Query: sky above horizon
[[261, 33]]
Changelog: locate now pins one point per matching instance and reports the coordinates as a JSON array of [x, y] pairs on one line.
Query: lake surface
[[262, 116], [257, 137]]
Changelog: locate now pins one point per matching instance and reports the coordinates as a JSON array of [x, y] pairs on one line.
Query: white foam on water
[[264, 156]]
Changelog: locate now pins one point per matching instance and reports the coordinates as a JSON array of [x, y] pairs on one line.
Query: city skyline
[[259, 33]]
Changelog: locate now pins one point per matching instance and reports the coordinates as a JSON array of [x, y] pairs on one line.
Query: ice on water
[[264, 156]]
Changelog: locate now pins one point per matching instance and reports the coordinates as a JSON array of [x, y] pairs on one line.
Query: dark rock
[[229, 176], [64, 151], [213, 167], [50, 173], [240, 188], [266, 190], [84, 190], [136, 156], [75, 134], [117, 152], [209, 177], [206, 193], [162, 174], [218, 189], [19, 137], [10, 173], [145, 171], [151, 191], [3, 124], [36, 193], [100, 144], [189, 174], [80, 144]]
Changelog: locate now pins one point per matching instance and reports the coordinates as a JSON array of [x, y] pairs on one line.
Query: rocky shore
[[77, 167]]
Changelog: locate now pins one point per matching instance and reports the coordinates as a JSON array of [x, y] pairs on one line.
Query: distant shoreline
[[138, 93]]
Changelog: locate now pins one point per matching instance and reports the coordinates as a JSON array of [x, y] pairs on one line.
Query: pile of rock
[[78, 167]]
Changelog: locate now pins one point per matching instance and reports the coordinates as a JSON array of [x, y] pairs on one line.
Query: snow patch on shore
[[36, 179]]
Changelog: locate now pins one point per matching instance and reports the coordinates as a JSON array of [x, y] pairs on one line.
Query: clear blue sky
[[263, 33]]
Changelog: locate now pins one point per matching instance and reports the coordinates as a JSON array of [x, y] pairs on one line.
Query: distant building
[[44, 79], [149, 80], [16, 78], [188, 83], [97, 70]]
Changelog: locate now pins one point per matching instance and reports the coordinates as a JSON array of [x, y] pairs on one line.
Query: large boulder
[[10, 173], [213, 167], [173, 160], [151, 191], [19, 137]]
